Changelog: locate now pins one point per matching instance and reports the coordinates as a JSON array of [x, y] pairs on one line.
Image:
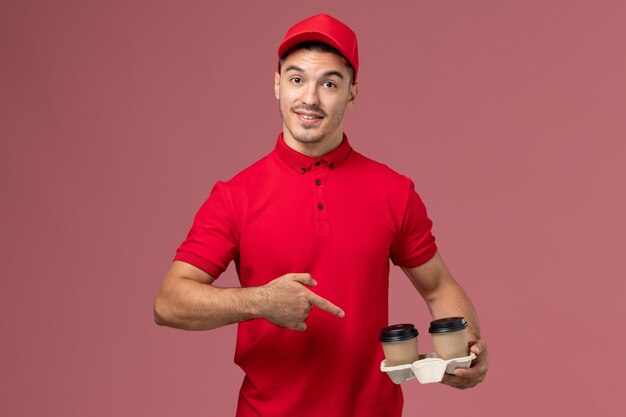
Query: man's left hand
[[472, 376]]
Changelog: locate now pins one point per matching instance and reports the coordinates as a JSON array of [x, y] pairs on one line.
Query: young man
[[311, 228]]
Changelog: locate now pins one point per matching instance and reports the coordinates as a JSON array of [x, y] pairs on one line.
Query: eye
[[329, 84], [296, 80]]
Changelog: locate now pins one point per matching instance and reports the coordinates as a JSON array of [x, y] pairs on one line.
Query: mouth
[[309, 117]]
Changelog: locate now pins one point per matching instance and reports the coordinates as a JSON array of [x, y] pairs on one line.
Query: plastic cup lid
[[448, 324], [398, 332]]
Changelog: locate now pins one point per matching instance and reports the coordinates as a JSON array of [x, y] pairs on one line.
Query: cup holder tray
[[428, 369]]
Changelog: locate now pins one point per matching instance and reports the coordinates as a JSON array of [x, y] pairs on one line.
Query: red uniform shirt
[[341, 218]]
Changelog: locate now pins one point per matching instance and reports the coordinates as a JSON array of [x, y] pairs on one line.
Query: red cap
[[326, 29]]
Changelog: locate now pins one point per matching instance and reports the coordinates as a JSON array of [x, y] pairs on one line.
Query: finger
[[305, 279], [479, 365], [475, 374], [478, 347], [466, 373], [469, 381], [300, 327], [326, 305], [456, 382], [452, 380]]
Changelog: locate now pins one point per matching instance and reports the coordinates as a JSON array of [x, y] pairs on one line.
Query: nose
[[310, 96]]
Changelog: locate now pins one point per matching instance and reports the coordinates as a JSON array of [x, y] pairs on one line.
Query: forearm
[[195, 304], [450, 300], [443, 295], [191, 305]]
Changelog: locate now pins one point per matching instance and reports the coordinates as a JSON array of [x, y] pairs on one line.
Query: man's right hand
[[286, 301]]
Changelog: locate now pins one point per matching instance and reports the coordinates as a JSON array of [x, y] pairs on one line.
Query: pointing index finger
[[326, 305]]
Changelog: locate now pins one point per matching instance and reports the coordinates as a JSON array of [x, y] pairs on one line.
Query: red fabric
[[272, 219]]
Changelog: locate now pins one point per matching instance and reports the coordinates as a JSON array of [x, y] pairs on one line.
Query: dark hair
[[316, 46]]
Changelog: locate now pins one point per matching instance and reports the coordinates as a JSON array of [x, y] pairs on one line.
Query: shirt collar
[[302, 163]]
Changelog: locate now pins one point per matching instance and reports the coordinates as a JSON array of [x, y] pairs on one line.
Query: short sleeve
[[212, 242], [414, 244]]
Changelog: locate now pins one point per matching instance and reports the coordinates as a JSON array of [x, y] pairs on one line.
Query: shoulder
[[375, 172], [249, 177], [231, 196]]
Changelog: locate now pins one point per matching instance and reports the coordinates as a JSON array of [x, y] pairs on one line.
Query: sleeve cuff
[[199, 262], [421, 259]]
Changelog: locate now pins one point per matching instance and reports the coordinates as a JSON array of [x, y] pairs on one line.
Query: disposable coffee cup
[[449, 337], [399, 344]]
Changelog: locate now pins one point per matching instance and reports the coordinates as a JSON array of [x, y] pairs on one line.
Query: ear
[[352, 94], [277, 85]]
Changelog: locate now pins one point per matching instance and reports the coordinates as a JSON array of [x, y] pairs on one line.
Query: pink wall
[[117, 117]]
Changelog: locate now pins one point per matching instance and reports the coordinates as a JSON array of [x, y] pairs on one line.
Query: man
[[311, 228]]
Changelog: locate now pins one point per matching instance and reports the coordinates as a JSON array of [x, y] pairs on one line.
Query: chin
[[306, 136], [308, 139]]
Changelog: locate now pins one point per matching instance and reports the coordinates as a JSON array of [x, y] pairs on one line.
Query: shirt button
[[331, 166], [302, 170], [320, 206], [317, 163], [318, 182]]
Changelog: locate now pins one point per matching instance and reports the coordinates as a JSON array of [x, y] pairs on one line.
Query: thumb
[[305, 279]]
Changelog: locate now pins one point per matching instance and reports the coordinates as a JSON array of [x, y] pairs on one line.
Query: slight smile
[[308, 117]]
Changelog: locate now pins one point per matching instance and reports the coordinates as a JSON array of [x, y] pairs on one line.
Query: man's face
[[313, 91]]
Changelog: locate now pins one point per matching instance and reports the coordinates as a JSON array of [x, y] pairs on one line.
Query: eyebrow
[[326, 74], [333, 72]]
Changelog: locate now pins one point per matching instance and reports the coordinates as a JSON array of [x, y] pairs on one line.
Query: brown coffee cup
[[399, 344], [449, 337]]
